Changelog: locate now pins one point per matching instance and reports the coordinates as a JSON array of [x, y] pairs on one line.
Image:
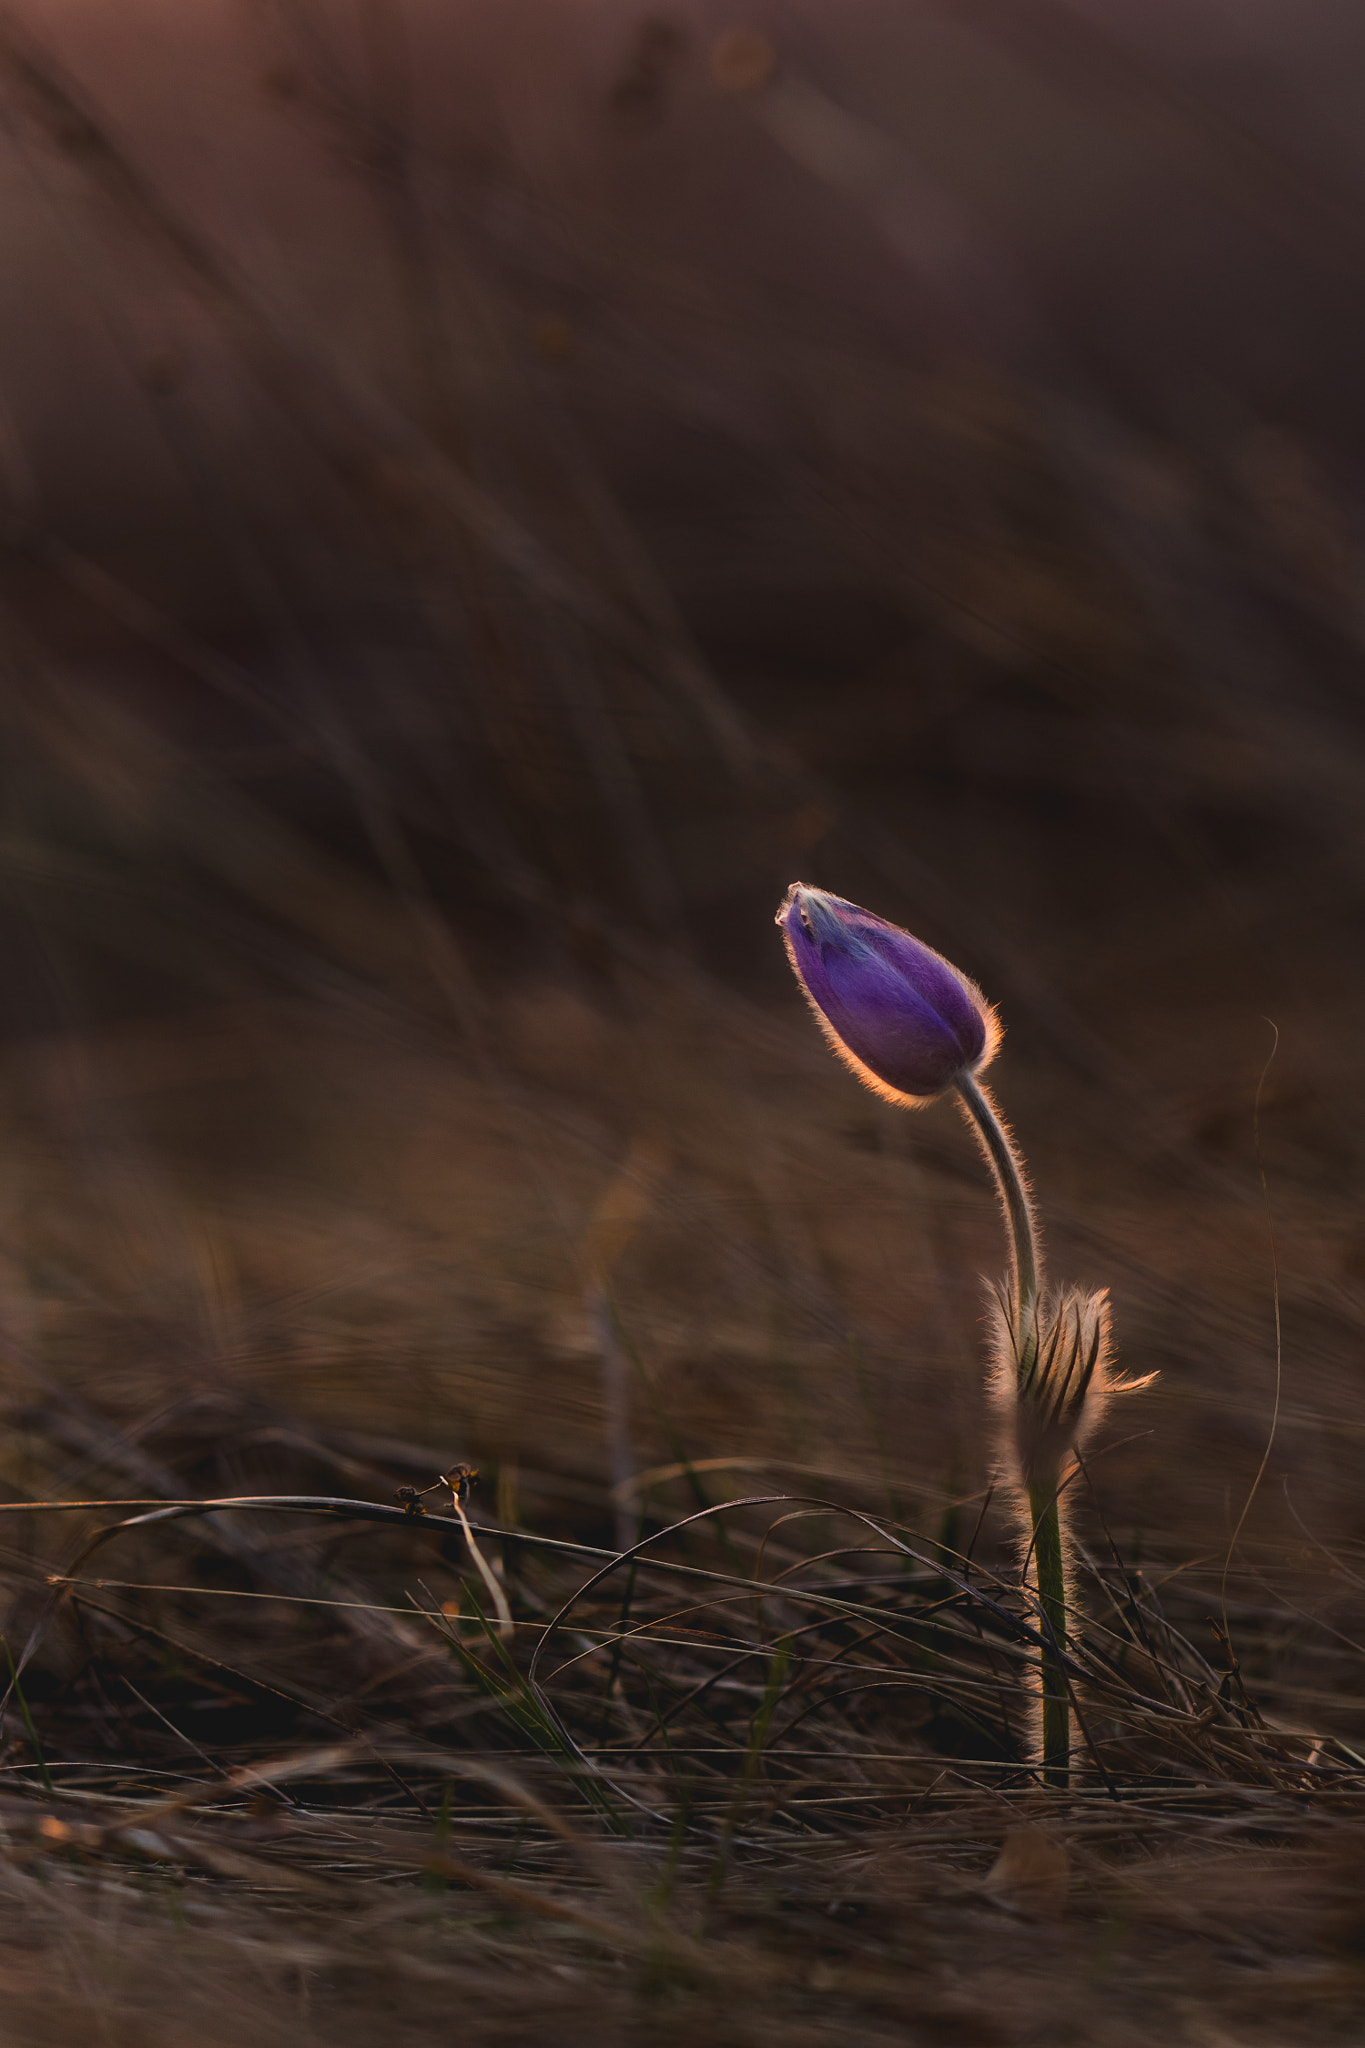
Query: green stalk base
[[1050, 1572]]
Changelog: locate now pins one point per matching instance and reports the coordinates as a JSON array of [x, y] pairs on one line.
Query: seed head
[[895, 1011]]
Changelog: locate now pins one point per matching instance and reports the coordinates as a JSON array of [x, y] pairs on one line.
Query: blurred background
[[488, 498]]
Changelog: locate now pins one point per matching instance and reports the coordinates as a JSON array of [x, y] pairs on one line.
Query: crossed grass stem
[[670, 1742], [530, 1691]]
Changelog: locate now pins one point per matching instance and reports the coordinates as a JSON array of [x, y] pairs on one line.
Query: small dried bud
[[899, 1014]]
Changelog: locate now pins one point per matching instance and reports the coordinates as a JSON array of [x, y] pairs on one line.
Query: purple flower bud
[[898, 1013]]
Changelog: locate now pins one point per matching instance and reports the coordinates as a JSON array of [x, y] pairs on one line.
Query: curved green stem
[[1045, 1522], [1050, 1569], [1008, 1170]]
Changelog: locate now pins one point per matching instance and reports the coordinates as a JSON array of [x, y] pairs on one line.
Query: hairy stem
[[1050, 1570], [1008, 1169], [1045, 1526]]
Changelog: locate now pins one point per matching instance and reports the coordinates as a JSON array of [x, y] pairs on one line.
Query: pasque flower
[[897, 1012], [912, 1027]]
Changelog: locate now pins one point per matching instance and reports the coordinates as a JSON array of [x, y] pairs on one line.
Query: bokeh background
[[492, 496]]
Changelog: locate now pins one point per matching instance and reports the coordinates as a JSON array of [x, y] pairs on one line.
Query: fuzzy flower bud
[[1054, 1378], [899, 1014]]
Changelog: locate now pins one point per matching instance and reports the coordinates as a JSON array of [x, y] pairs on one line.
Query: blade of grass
[[27, 1718]]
